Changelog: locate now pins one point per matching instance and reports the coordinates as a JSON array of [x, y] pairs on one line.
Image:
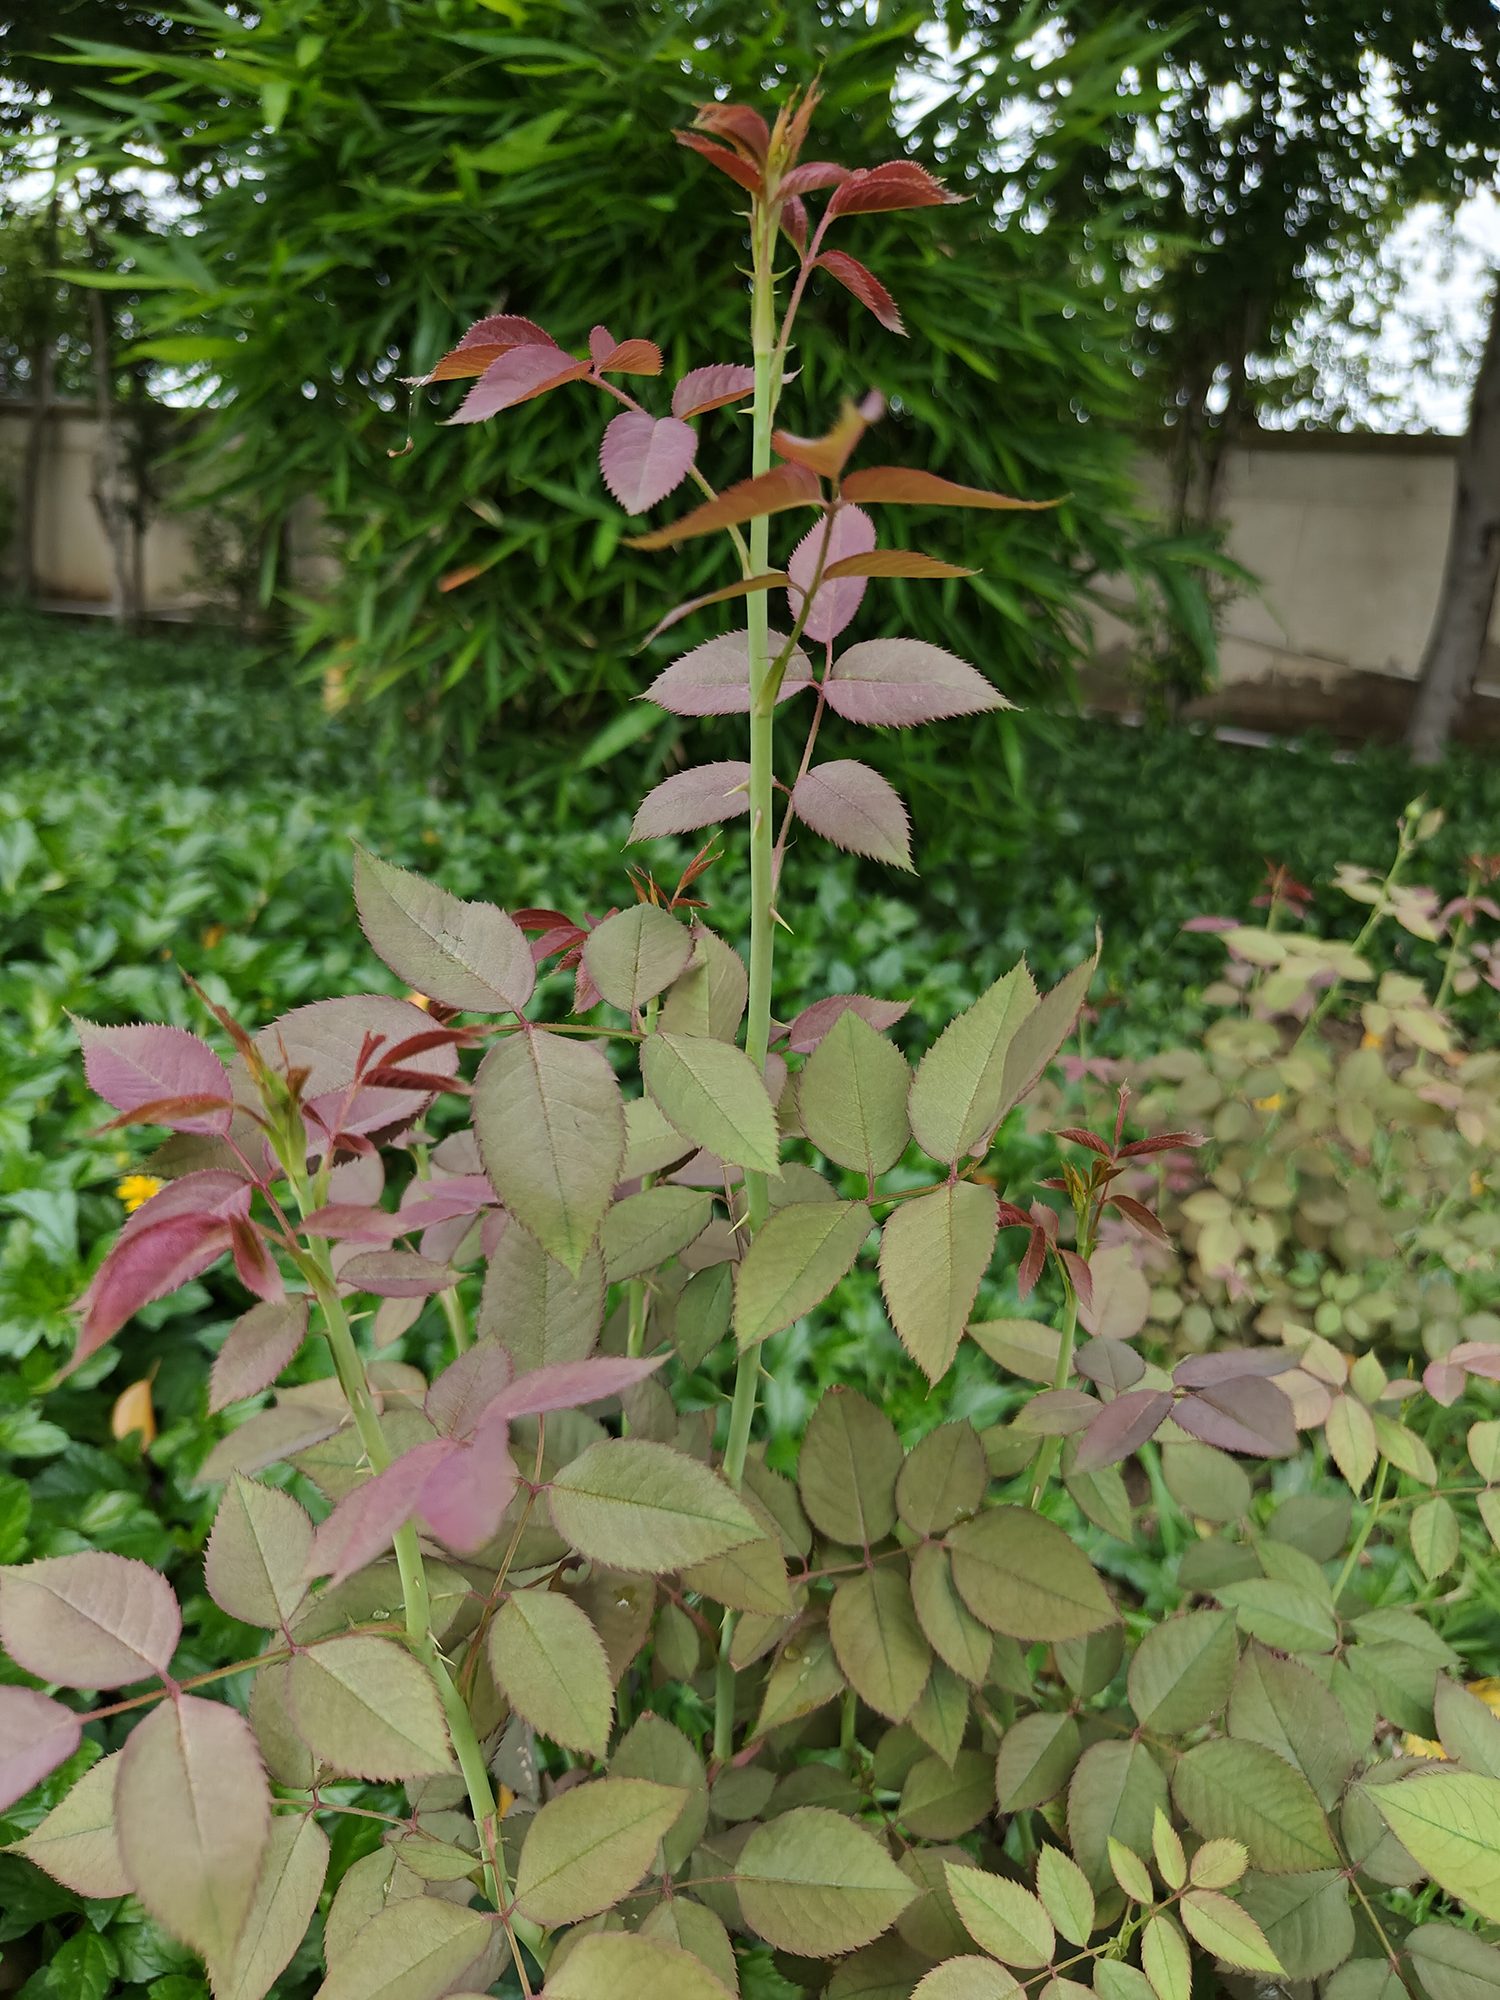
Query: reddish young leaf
[[1082, 1276], [1110, 1363], [905, 681], [1140, 1217], [703, 389], [794, 222], [863, 283], [850, 533], [714, 679], [1164, 1142], [519, 374], [727, 162], [147, 1265], [396, 1274], [363, 1525], [485, 341], [149, 1065], [828, 455], [91, 1620], [1207, 1371], [255, 1266], [346, 1222], [740, 124], [895, 184], [630, 357], [746, 587], [1122, 1427], [894, 562], [458, 1399], [814, 1022], [926, 489], [855, 808], [644, 457], [1031, 1265], [703, 796], [809, 178], [181, 1114], [466, 1496], [329, 1039], [601, 342], [261, 1343], [768, 493], [1249, 1414], [1079, 1137], [36, 1734], [567, 1385]]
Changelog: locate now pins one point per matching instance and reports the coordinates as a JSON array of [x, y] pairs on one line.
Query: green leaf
[[968, 1978], [537, 1308], [713, 1092], [1467, 1728], [852, 1094], [1042, 1033], [467, 955], [286, 1898], [1132, 1874], [1371, 1979], [1218, 1864], [1402, 1679], [551, 1129], [751, 1577], [879, 1643], [1453, 1964], [636, 954], [1283, 1704], [255, 1558], [652, 1748], [709, 998], [1115, 1792], [1405, 1450], [1434, 1537], [1450, 1825], [366, 1707], [1171, 1862], [1281, 1615], [1089, 1665], [955, 1094], [1205, 1482], [643, 1506], [778, 1496], [933, 1253], [703, 1313], [1113, 1981], [847, 1469], [76, 1842], [82, 1968], [417, 1949], [944, 1797], [652, 1141], [1025, 1347], [1306, 1919], [794, 1261], [614, 1965], [952, 1630], [645, 1229], [943, 1480], [813, 1883], [1245, 1792], [1021, 1575], [805, 1676], [1181, 1673], [192, 1816], [549, 1662], [589, 1847], [690, 1927], [1224, 1929], [1036, 1759], [1166, 1961], [1002, 1918], [1100, 1495], [942, 1715], [1066, 1895]]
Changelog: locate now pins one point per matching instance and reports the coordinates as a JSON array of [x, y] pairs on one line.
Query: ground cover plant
[[635, 1704]]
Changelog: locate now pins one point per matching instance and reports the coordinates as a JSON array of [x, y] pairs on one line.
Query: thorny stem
[[1363, 1536], [1046, 1457], [1450, 964], [1406, 847]]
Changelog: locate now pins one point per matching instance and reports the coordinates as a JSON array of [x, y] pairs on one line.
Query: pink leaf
[[132, 1067], [425, 1203], [396, 1274], [463, 1392], [714, 679], [726, 162], [519, 374], [36, 1735], [565, 1385], [852, 534], [144, 1267], [1234, 1364], [1212, 924], [261, 1343], [814, 1022], [363, 1525], [1083, 1281], [814, 175], [855, 808], [1122, 1427], [254, 1265], [328, 1039], [905, 681], [466, 1497], [794, 221], [601, 342], [89, 1621], [1443, 1382], [895, 184], [703, 796], [703, 389], [350, 1222], [644, 457], [485, 341], [1249, 1415], [864, 284]]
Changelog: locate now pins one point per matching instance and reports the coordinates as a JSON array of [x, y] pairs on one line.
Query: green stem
[[457, 1318], [1364, 1534], [724, 1693], [1046, 1458]]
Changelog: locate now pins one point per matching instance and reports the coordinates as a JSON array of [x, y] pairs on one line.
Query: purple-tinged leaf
[[904, 681], [906, 484], [643, 458], [1122, 1427], [363, 1525], [255, 1267], [601, 342], [426, 1203], [179, 1114], [851, 534], [726, 161], [1110, 1363], [464, 1500], [794, 221], [1213, 924], [568, 1385], [630, 357], [1083, 1280], [36, 1735], [269, 1437], [863, 283], [855, 808], [745, 587], [893, 184], [518, 375], [396, 1274], [1164, 1142], [149, 1065], [1443, 1382], [1140, 1217], [347, 1222], [485, 341], [809, 178], [149, 1265], [703, 389], [1058, 1412], [714, 678], [1207, 1371], [261, 1343], [1250, 1415], [1077, 1135], [92, 1620], [814, 1022], [749, 500], [459, 1397], [703, 796], [467, 955], [327, 1039], [1478, 1357]]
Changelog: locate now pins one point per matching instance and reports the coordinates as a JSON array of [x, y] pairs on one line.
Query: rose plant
[[915, 1721]]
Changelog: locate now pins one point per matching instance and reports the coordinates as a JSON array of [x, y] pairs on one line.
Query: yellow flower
[[138, 1188], [133, 1412], [1476, 1185], [1272, 1103], [1371, 1041], [1488, 1692]]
